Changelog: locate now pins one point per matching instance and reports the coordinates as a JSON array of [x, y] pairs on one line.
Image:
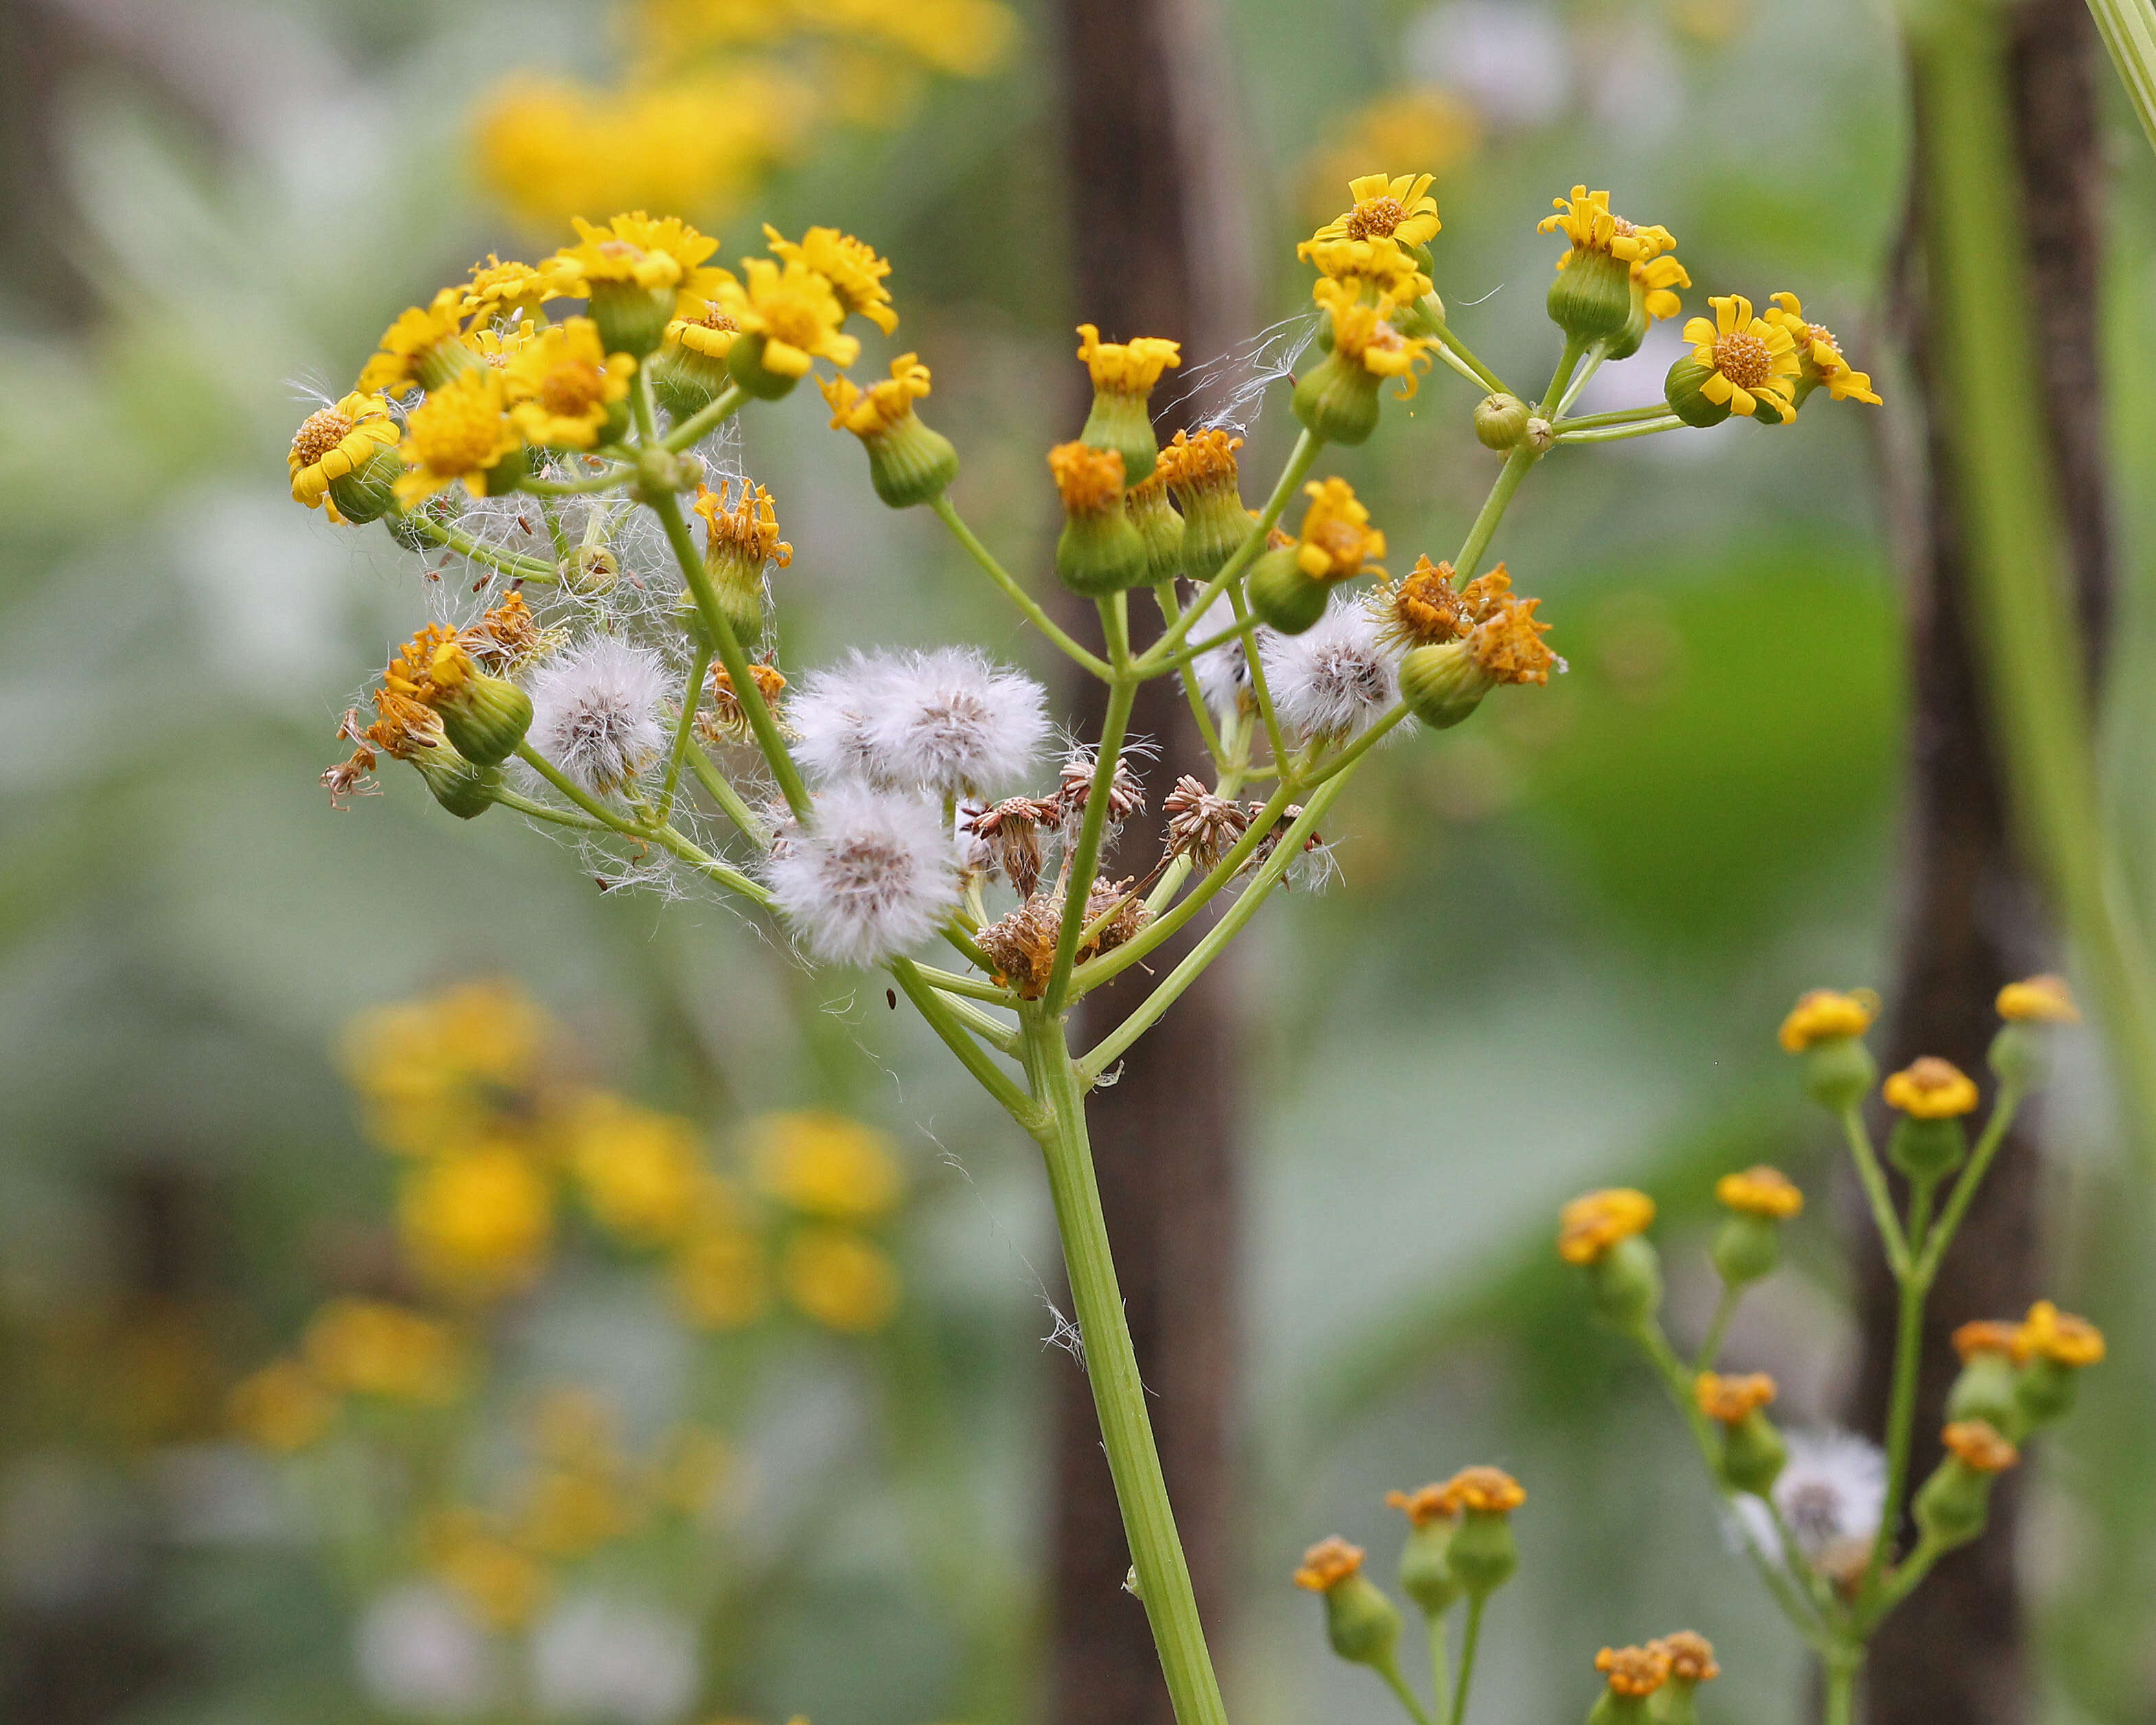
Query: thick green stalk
[[1843, 1663], [1994, 427], [1112, 1369], [1085, 854], [1493, 511], [2128, 29], [1458, 1713], [947, 513], [1900, 1425], [1441, 1668]]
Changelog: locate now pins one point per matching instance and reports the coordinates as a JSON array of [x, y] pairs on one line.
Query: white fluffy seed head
[[1223, 673], [954, 723], [595, 712], [1831, 1491], [876, 874], [830, 711], [1335, 679]]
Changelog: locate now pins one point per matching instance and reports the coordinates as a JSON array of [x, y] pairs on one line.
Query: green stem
[[1407, 1697], [1725, 1308], [1086, 856], [1458, 1715], [1301, 459], [1119, 1395], [2003, 1108], [506, 562], [700, 424], [1171, 611], [944, 1020], [949, 982], [1440, 1673], [2128, 29], [948, 513], [540, 811], [1843, 1660], [1259, 692], [576, 793], [1873, 1178], [1595, 355], [1493, 511], [1901, 1426], [1568, 362], [616, 475], [1621, 416], [1346, 760], [1617, 435], [1994, 420], [725, 874], [692, 695], [1900, 1581], [721, 790], [1481, 374]]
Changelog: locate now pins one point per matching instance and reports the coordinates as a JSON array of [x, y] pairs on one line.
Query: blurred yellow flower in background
[[841, 1279], [1433, 129], [639, 1171], [432, 1072], [282, 1407], [824, 1164], [478, 1225], [373, 1347]]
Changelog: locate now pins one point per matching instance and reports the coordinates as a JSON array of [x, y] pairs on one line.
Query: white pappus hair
[[874, 875], [829, 712], [1335, 679], [953, 722], [1831, 1492], [595, 712], [1223, 673]]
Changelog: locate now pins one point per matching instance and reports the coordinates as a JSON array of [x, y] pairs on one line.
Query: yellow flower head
[[2045, 999], [871, 412], [372, 1347], [1692, 1656], [634, 249], [850, 266], [1634, 1672], [1658, 277], [416, 348], [704, 326], [1585, 220], [1761, 1191], [719, 1279], [1424, 1504], [1506, 639], [479, 1223], [824, 1164], [1202, 464], [1126, 367], [841, 1279], [639, 1171], [1729, 1399], [728, 719], [1328, 1563], [432, 1071], [461, 430], [507, 637], [1819, 352], [1589, 1226], [2059, 1336], [1751, 360], [794, 309], [1979, 1445], [1422, 609], [499, 289], [745, 533], [1089, 480], [1361, 332], [281, 1407], [335, 442], [1337, 537], [1986, 1335], [505, 1584], [1382, 263], [1398, 209], [1824, 1015], [562, 384], [1485, 1491], [1930, 1088]]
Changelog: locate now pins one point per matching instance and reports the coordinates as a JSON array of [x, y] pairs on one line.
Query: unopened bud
[[589, 571], [1284, 596], [1442, 683], [745, 364], [1839, 1072], [1752, 1453], [1624, 1284], [1337, 400], [464, 787], [1500, 421], [1590, 299], [631, 319], [1541, 436], [1927, 1150]]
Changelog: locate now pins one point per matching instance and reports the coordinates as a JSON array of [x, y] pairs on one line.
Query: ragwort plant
[[885, 805]]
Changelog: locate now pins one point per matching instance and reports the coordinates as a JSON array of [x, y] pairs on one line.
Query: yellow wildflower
[[728, 718], [1505, 636], [825, 1164], [1819, 352], [337, 441], [839, 1278], [1985, 1335], [373, 1347], [1126, 367], [1749, 360], [510, 290], [795, 310], [1658, 277], [1336, 537], [567, 1513], [563, 383], [504, 1584], [1931, 1089], [1485, 1491], [2058, 1336], [1424, 1504], [1728, 1400], [1589, 1226], [1761, 1191], [432, 1072], [1362, 333], [648, 252], [1690, 1657], [424, 346], [871, 412], [460, 434], [850, 266], [478, 1223], [1383, 264], [281, 1407], [747, 531], [1979, 1446], [1586, 221], [2046, 1000], [1399, 209], [1088, 480], [639, 1171], [1824, 1015], [719, 1278], [703, 327], [1328, 1563], [1634, 1672]]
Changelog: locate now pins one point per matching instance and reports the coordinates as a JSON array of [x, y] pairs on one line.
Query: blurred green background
[[1556, 959]]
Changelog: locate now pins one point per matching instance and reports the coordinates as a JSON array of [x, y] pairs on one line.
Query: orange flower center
[[1343, 543], [1375, 218], [573, 388], [1742, 357], [318, 435]]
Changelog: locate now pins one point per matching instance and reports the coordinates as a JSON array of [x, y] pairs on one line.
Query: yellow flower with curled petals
[[460, 433], [1818, 354], [1728, 1399], [1761, 1191], [796, 310], [1382, 263], [562, 382], [649, 252], [870, 412], [335, 441], [1336, 538], [1585, 220], [850, 266], [1825, 1014], [2043, 999], [1931, 1089], [1328, 1563], [1749, 360], [1126, 367], [2058, 1336], [1397, 207], [509, 289], [1658, 277], [1362, 331], [704, 326], [424, 346], [1485, 1491], [1979, 1446], [1590, 1226]]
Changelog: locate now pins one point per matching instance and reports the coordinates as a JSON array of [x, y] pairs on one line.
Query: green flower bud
[[1361, 1624], [1282, 595], [1482, 1554], [631, 319], [911, 463], [1987, 1388], [1954, 1503], [1838, 1073], [1626, 342], [1590, 298], [1124, 374], [443, 361], [589, 571], [485, 717], [1927, 1150], [1624, 1284], [1442, 684], [2019, 1056], [369, 491], [2044, 1390], [1500, 421], [1681, 390], [1161, 528], [1100, 551], [1426, 1575], [1747, 1247], [687, 381], [745, 364], [464, 787], [1752, 1453], [1122, 423], [1337, 400]]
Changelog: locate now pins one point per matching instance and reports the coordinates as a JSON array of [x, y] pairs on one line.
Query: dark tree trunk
[[1159, 251], [1954, 1654]]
